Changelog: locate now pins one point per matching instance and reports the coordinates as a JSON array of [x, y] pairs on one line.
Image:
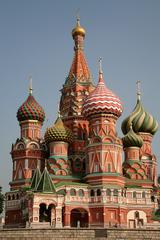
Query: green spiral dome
[[58, 132], [131, 139], [141, 121]]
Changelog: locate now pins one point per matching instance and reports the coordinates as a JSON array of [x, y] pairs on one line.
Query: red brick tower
[[102, 108], [29, 150], [77, 86]]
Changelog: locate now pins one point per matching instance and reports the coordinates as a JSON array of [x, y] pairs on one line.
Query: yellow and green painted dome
[[131, 139], [141, 121], [58, 132]]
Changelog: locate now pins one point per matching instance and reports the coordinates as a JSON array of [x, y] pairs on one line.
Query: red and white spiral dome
[[102, 100]]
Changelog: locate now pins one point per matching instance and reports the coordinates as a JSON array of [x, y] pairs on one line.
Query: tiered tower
[[102, 109], [29, 150], [78, 85], [58, 137], [145, 125]]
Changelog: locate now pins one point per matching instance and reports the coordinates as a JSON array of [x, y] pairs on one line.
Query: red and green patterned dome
[[30, 110]]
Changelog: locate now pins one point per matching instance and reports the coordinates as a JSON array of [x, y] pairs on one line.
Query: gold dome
[[78, 30], [58, 132]]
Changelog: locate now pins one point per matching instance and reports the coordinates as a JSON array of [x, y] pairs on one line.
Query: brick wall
[[84, 234]]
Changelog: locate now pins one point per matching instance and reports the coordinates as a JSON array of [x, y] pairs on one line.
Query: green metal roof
[[36, 177], [45, 183]]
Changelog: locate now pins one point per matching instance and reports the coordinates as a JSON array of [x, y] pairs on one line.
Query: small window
[[136, 214], [109, 167], [73, 192], [81, 193], [134, 194], [26, 163], [143, 194], [108, 192], [96, 167], [98, 192], [92, 194], [13, 197], [20, 173], [115, 192], [9, 198]]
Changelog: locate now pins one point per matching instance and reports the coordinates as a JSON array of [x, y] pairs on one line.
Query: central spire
[[79, 70]]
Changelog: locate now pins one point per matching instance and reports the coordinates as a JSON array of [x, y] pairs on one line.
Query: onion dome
[[102, 100], [131, 139], [78, 30], [58, 132], [141, 120], [30, 109]]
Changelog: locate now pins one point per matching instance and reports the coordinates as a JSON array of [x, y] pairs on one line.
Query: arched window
[[108, 192], [96, 167], [81, 193], [98, 192], [134, 194], [20, 173], [9, 198], [143, 194], [136, 214], [115, 192], [13, 197], [17, 196], [92, 194], [109, 167], [73, 192]]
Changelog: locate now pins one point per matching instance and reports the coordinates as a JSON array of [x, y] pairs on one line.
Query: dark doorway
[[79, 218]]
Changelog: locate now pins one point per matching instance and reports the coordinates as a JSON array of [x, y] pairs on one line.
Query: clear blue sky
[[35, 39]]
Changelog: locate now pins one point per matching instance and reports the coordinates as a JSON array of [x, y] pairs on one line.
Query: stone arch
[[20, 146], [33, 145], [136, 218], [79, 217]]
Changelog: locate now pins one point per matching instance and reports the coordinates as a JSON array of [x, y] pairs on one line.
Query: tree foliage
[[1, 200]]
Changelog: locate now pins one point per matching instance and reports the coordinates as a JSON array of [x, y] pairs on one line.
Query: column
[[67, 219], [58, 217]]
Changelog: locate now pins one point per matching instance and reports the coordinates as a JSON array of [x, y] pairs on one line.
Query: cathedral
[[80, 173]]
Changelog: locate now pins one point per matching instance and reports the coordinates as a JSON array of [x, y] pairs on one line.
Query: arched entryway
[[43, 214], [79, 217], [136, 219], [47, 214]]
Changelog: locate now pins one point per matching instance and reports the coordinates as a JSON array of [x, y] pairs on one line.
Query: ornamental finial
[[78, 17], [138, 89], [30, 85], [100, 65], [100, 70]]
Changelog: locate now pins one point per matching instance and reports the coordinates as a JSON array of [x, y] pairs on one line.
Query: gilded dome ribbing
[[58, 132], [131, 139], [141, 121]]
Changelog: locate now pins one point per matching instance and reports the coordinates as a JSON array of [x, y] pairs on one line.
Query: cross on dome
[[30, 85], [138, 89]]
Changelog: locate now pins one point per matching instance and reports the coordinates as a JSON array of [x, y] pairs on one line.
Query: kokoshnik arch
[[76, 175]]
